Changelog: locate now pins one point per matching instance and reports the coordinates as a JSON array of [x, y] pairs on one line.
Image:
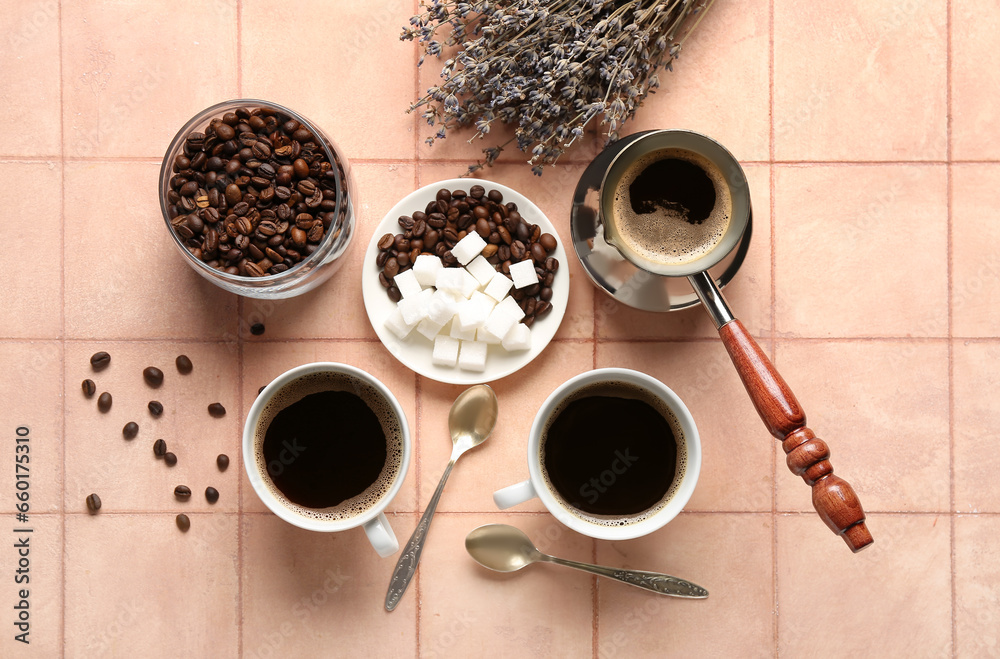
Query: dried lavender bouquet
[[549, 68]]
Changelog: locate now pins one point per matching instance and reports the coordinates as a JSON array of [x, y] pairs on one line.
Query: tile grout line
[[240, 378], [62, 293], [951, 330], [773, 240]]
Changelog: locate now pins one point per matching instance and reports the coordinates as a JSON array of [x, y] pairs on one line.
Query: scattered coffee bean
[[184, 365], [183, 523], [89, 388], [211, 494], [159, 448], [261, 390], [155, 407], [100, 360], [130, 430], [153, 376], [93, 503], [217, 410], [222, 461], [182, 492], [170, 459], [257, 329], [104, 402]]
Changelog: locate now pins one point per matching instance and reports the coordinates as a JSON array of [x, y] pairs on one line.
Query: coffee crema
[[328, 446], [613, 453], [671, 206]]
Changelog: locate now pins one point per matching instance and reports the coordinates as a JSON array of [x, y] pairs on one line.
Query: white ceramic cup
[[372, 518], [602, 527]]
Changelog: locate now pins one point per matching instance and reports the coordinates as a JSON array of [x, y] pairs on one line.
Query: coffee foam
[[664, 236], [325, 381], [619, 389]]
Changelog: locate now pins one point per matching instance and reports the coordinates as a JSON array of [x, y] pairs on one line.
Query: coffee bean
[[548, 242], [477, 191], [222, 461], [159, 448], [153, 376], [386, 241], [257, 329], [182, 492], [183, 523], [93, 503], [261, 389], [100, 360], [104, 402], [170, 459], [217, 410], [538, 253], [130, 430], [545, 294], [89, 388], [155, 407], [551, 264], [211, 494]]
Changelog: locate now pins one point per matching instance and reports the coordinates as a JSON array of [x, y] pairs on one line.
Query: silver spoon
[[470, 421], [506, 549]]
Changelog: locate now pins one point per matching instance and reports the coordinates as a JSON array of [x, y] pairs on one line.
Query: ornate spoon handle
[[664, 584], [406, 567]]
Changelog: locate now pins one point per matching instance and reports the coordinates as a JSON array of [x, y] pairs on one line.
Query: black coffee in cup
[[330, 445], [613, 450], [671, 206]]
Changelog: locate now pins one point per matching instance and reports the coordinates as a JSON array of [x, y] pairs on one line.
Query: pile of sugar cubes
[[472, 300]]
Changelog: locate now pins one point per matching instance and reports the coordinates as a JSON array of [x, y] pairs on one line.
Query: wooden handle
[[808, 456]]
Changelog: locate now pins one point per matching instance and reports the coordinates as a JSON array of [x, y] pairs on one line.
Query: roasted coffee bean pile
[[509, 238], [153, 378], [254, 194]]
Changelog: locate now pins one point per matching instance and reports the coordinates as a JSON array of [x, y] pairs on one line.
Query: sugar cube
[[523, 273], [451, 280], [407, 284], [429, 328], [510, 307], [395, 324], [486, 337], [481, 269], [411, 310], [472, 356], [474, 312], [443, 306], [503, 317], [469, 283], [426, 269], [469, 247], [445, 351], [499, 286], [463, 335], [518, 338]]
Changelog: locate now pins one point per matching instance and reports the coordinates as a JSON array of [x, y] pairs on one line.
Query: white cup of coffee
[[613, 453], [326, 447]]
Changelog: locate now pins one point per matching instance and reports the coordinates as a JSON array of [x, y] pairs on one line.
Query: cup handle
[[514, 494], [381, 536]]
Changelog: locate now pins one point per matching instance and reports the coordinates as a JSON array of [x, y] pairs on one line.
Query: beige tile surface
[[974, 69], [975, 285], [976, 613], [977, 374], [30, 84]]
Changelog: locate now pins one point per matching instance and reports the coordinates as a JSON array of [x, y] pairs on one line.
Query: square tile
[[749, 294], [977, 586], [553, 194], [30, 84], [838, 90], [33, 300], [729, 555], [126, 281], [845, 240], [33, 401], [336, 308], [360, 94], [735, 447], [974, 70], [467, 610], [308, 594], [883, 409], [125, 95], [141, 613], [40, 543], [264, 361], [503, 459], [976, 377], [907, 570], [720, 83], [126, 474], [975, 295]]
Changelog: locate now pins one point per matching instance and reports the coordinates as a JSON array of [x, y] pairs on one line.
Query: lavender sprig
[[547, 67]]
